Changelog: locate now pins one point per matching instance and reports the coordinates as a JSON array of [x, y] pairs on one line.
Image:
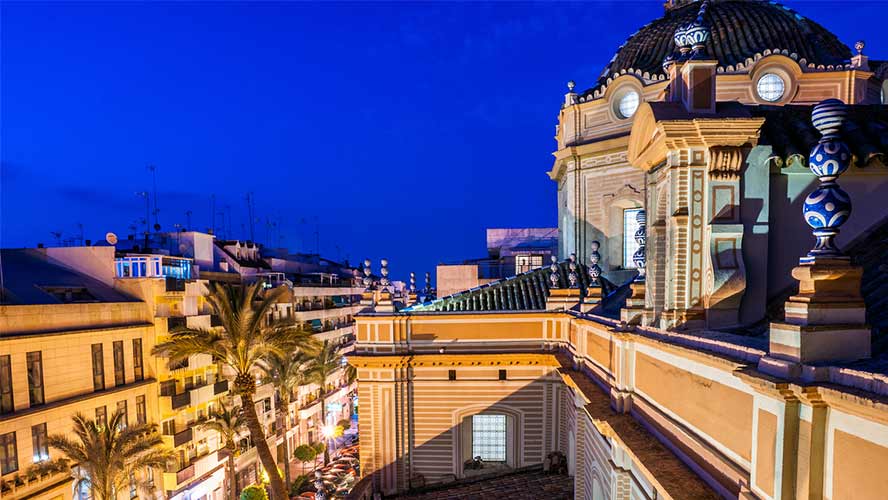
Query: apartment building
[[69, 343], [115, 303]]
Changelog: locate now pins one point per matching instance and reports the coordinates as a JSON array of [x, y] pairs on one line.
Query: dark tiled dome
[[740, 29]]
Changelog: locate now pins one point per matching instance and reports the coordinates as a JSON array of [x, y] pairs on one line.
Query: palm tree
[[105, 457], [318, 371], [227, 422], [245, 339], [285, 374]]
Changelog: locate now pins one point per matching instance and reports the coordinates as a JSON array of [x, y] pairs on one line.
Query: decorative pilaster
[[824, 322]]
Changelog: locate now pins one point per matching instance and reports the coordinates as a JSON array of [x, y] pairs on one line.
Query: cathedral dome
[[740, 29]]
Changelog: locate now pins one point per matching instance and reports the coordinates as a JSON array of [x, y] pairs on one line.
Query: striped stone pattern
[[828, 117]]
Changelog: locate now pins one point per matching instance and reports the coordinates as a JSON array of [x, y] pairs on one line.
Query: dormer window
[[770, 87]]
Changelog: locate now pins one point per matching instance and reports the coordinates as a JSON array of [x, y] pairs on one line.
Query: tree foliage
[[104, 457]]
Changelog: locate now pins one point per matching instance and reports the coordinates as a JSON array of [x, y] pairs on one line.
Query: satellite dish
[[111, 238]]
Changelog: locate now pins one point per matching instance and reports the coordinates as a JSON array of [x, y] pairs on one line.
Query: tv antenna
[[153, 170]]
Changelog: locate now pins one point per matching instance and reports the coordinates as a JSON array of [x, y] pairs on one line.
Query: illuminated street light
[[329, 431]]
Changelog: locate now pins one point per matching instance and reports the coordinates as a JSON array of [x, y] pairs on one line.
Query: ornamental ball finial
[[570, 85], [859, 45], [828, 118], [828, 207]]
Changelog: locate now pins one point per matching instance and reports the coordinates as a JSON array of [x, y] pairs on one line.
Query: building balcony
[[220, 387], [178, 401], [181, 437], [175, 285], [334, 333], [172, 480], [202, 394], [176, 322]]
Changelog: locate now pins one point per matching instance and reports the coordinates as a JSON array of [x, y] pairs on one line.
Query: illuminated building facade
[[730, 358]]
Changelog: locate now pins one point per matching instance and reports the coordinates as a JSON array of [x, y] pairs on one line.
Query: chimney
[[87, 243], [39, 245]]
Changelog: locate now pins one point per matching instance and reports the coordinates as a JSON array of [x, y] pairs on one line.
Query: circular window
[[771, 87], [628, 104]]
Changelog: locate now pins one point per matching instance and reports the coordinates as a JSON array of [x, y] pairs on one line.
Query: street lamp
[[328, 431]]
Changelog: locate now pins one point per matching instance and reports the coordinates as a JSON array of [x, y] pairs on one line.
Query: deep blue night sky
[[403, 129]]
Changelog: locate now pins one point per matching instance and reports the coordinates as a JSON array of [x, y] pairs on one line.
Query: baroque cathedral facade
[[715, 324]]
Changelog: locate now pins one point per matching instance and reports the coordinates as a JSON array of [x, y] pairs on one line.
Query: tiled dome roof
[[739, 30]]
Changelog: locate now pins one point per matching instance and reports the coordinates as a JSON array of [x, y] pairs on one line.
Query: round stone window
[[628, 104], [770, 87]]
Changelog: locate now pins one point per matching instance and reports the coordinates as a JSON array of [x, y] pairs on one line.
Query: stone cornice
[[651, 139], [603, 146], [449, 360]]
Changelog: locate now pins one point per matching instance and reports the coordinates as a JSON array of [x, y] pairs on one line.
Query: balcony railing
[[175, 285], [185, 474], [220, 387], [180, 400], [183, 437], [174, 322]]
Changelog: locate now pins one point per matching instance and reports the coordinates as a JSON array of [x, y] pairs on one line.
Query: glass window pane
[[38, 438], [6, 400], [770, 87], [489, 437], [630, 226], [35, 378]]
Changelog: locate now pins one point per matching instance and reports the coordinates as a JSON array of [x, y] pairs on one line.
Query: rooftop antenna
[[317, 235], [213, 212], [80, 233], [228, 216], [58, 237], [153, 170], [145, 195], [250, 215], [188, 220]]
